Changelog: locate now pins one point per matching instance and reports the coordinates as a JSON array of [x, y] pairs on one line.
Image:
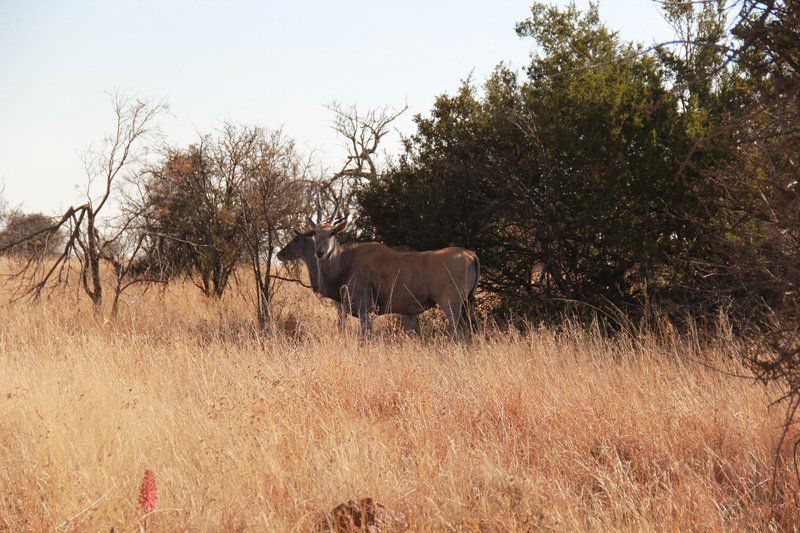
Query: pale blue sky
[[272, 63]]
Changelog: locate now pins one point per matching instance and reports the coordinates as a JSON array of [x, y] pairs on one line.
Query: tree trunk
[[115, 303], [93, 262], [265, 283], [262, 283]]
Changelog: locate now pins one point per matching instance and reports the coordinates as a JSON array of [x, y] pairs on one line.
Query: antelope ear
[[339, 226], [311, 223]]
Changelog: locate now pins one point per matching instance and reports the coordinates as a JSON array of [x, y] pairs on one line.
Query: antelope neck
[[330, 271], [310, 260]]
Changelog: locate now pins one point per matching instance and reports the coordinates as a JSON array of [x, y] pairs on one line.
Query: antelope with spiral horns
[[370, 279], [301, 247]]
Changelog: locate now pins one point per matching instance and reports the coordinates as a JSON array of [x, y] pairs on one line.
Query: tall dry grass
[[543, 430]]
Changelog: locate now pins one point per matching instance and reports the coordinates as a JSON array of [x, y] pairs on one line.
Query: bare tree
[[274, 202], [223, 202], [4, 209], [192, 204], [120, 154], [126, 253], [362, 133]]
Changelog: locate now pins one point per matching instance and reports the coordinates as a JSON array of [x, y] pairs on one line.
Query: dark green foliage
[[577, 185]]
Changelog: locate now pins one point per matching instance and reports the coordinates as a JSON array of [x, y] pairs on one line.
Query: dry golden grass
[[543, 430]]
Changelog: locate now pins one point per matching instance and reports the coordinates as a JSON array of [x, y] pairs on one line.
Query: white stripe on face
[[323, 242]]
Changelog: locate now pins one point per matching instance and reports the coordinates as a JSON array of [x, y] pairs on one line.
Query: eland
[[370, 279], [301, 247]]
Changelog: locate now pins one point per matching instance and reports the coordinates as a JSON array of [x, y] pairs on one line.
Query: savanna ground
[[562, 430]]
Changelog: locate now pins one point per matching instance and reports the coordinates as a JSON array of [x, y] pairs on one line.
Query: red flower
[[148, 493]]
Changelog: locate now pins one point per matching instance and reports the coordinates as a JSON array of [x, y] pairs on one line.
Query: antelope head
[[325, 230], [294, 248], [325, 236]]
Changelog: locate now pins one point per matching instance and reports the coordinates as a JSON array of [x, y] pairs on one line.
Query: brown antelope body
[[301, 247], [372, 279]]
